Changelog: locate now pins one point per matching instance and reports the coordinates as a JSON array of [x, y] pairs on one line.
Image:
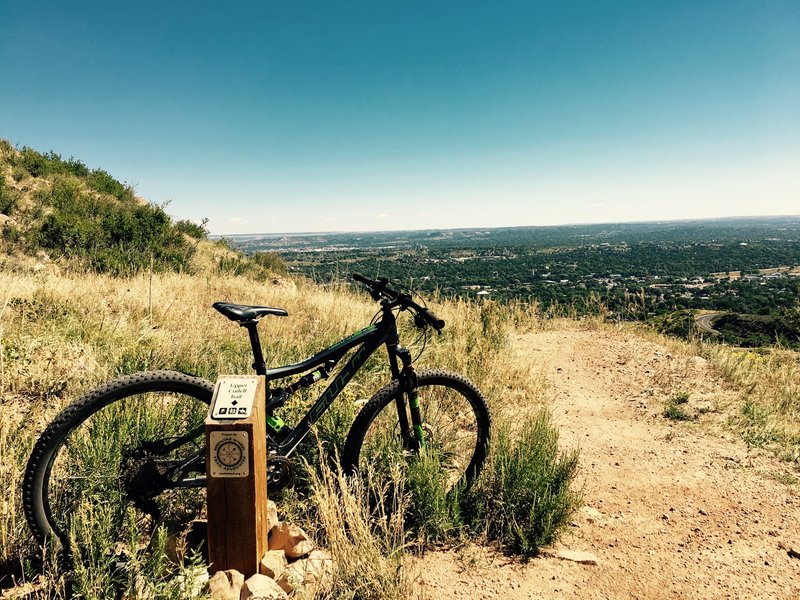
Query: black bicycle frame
[[368, 339]]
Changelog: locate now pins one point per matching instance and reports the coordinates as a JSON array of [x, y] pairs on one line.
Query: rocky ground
[[672, 509]]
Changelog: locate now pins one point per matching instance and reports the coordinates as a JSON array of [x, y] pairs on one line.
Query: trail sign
[[236, 474]]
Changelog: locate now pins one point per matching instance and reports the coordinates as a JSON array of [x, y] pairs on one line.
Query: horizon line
[[499, 227]]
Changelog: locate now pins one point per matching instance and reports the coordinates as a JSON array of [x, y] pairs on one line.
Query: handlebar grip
[[432, 319], [361, 279]]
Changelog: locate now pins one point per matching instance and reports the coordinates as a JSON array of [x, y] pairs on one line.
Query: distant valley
[[745, 266]]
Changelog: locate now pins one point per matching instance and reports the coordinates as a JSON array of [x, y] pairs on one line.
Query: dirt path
[[673, 510]]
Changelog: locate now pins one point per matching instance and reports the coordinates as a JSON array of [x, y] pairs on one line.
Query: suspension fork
[[409, 389], [407, 386], [400, 400]]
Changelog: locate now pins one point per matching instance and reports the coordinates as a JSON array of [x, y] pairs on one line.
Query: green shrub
[[224, 243], [19, 173], [680, 397], [109, 237], [433, 514], [76, 167], [758, 430], [11, 234], [8, 198], [524, 497], [676, 413], [192, 229], [100, 181], [65, 193], [34, 163], [271, 261], [38, 164], [680, 323], [674, 408], [68, 229]]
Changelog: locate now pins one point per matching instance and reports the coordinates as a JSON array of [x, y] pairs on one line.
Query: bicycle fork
[[409, 389]]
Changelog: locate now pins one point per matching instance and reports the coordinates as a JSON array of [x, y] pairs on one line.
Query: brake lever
[[421, 323], [376, 292]]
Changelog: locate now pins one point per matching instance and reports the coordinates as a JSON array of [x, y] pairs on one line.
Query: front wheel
[[126, 456], [455, 423]]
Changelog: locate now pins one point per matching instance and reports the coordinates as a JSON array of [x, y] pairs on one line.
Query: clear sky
[[321, 116]]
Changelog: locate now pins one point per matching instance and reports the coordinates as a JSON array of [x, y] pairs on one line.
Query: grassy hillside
[[63, 334], [60, 335], [59, 213]]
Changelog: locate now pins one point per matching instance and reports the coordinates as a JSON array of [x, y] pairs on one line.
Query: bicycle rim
[[99, 479], [455, 424]]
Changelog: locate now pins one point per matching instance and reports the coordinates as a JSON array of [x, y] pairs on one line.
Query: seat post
[[258, 357]]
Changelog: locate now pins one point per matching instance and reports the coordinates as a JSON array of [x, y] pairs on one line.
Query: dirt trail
[[673, 510]]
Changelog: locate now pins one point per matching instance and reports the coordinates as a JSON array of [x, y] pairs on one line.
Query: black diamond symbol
[[235, 402]]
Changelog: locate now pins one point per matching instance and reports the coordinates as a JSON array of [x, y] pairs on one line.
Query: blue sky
[[322, 116]]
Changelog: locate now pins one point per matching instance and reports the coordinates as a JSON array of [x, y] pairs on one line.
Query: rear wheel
[[112, 466], [455, 423]]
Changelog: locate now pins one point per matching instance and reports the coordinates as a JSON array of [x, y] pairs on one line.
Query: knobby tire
[[46, 494], [456, 423]]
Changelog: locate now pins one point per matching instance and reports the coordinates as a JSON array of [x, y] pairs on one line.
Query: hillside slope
[[672, 509], [57, 213]]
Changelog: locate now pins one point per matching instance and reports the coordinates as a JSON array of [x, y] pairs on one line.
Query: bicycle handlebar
[[379, 289]]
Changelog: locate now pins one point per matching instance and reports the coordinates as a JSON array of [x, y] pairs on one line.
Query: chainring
[[280, 472]]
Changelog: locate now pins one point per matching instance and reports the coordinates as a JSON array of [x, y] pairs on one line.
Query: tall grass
[[16, 441], [769, 387], [367, 540], [61, 335]]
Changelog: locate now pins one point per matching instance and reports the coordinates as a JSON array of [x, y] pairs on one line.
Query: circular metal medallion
[[230, 453]]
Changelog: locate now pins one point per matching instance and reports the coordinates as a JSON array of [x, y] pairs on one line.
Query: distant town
[[738, 265]]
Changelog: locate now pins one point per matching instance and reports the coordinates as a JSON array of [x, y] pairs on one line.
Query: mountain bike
[[131, 452]]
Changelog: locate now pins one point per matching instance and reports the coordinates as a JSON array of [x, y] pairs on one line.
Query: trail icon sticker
[[229, 454]]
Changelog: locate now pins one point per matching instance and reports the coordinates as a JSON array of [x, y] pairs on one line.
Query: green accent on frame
[[275, 423], [350, 338], [420, 436]]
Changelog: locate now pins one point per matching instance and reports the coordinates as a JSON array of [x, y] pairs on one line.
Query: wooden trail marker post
[[236, 474]]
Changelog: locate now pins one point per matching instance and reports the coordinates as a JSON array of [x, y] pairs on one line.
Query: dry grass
[[768, 383], [367, 544], [756, 391], [63, 334]]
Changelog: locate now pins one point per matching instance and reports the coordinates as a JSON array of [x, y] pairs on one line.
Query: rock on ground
[[273, 564], [315, 571], [226, 585], [261, 587]]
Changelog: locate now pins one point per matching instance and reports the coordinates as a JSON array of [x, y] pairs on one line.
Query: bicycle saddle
[[242, 313]]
